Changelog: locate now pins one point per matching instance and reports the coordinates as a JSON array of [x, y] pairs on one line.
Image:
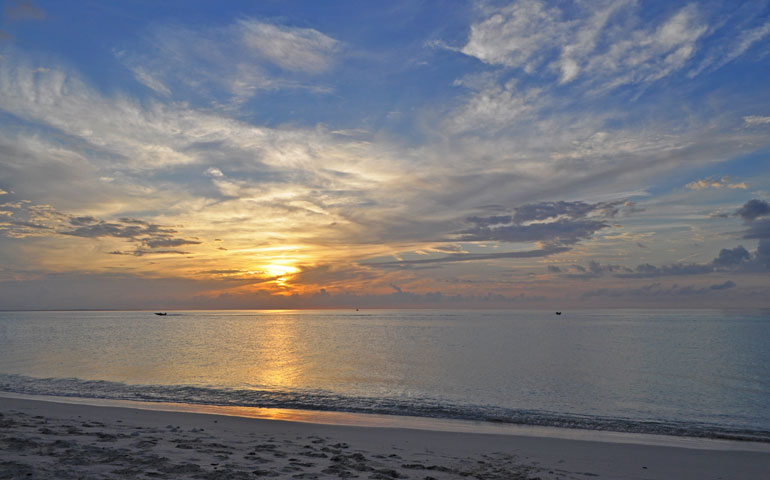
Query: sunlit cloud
[[723, 182], [534, 36], [261, 160]]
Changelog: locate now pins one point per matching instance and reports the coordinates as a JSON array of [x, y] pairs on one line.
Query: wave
[[328, 401]]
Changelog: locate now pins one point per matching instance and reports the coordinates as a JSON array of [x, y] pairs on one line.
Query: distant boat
[[558, 313], [161, 313]]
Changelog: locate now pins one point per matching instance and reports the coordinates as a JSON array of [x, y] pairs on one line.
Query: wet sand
[[40, 439]]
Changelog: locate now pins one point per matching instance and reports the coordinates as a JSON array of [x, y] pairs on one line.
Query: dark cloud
[[762, 255], [168, 242], [753, 209], [758, 229], [554, 269], [148, 234], [738, 260], [26, 224], [37, 220], [84, 220], [560, 232], [545, 210], [492, 220], [470, 257], [651, 271], [141, 253], [594, 270], [659, 290], [110, 229], [448, 248], [220, 272], [23, 10], [597, 268], [552, 223], [723, 286], [729, 257], [133, 220]]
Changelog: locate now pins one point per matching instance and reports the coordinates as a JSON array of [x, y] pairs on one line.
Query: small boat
[[558, 313], [162, 314]]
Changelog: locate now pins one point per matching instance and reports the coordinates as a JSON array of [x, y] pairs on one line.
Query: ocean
[[699, 373]]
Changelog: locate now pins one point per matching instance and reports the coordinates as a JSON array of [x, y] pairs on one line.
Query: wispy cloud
[[550, 148], [303, 49], [537, 38], [242, 59], [756, 120]]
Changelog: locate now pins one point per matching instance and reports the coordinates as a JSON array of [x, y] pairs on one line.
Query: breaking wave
[[327, 401]]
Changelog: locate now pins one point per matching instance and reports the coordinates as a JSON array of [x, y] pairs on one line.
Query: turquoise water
[[698, 373]]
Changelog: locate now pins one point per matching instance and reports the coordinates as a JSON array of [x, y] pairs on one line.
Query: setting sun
[[278, 270]]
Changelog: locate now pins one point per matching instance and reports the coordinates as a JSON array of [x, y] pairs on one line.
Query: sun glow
[[278, 270]]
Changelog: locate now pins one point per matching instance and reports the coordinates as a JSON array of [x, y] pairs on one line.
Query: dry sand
[[40, 439]]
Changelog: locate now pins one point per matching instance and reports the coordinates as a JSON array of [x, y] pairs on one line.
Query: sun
[[278, 270]]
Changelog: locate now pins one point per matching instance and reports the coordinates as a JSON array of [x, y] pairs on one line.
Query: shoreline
[[337, 418], [56, 439]]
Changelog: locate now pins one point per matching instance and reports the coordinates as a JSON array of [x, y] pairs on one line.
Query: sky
[[403, 154]]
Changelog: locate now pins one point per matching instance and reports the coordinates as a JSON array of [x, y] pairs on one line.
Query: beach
[[42, 439]]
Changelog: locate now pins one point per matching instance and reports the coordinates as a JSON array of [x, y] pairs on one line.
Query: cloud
[[735, 260], [560, 232], [675, 269], [148, 234], [735, 46], [168, 242], [516, 35], [493, 108], [758, 229], [745, 41], [756, 120], [552, 223], [723, 286], [707, 183], [243, 58], [659, 290], [148, 80], [753, 209], [572, 210], [303, 49], [730, 257], [141, 252], [23, 10], [469, 257], [537, 38], [753, 213], [35, 220]]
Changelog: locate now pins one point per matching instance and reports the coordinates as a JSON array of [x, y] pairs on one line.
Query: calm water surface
[[704, 373]]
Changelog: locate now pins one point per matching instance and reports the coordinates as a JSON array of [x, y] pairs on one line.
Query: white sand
[[40, 439]]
